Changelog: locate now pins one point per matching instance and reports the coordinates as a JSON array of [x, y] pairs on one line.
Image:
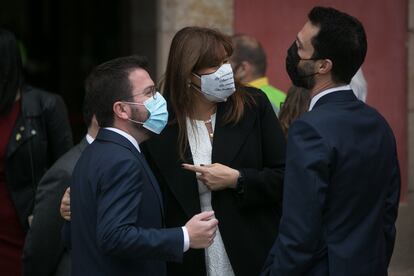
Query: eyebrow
[[150, 87], [300, 42]]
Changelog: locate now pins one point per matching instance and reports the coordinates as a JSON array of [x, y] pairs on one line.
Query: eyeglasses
[[149, 92]]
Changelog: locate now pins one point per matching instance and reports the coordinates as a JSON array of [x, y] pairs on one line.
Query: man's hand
[[215, 176], [65, 205], [202, 229]]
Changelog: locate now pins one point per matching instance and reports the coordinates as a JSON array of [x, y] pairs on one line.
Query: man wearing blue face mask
[[116, 204]]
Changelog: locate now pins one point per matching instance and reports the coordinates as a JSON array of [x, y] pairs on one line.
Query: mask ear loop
[[137, 122], [132, 103], [240, 76], [131, 120], [313, 74], [199, 90], [193, 85]]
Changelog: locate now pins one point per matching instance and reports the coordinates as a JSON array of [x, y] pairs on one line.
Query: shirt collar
[[126, 135], [260, 82], [326, 92], [89, 139]]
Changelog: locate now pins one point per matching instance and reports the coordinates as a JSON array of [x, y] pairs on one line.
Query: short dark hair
[[11, 70], [246, 48], [88, 109], [341, 38], [108, 83]]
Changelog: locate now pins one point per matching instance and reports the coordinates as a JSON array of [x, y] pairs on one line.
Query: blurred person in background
[[295, 104], [249, 65], [44, 252], [35, 132]]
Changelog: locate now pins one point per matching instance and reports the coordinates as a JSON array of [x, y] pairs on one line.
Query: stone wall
[[173, 15]]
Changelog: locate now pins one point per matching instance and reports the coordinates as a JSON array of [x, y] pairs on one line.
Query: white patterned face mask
[[219, 85]]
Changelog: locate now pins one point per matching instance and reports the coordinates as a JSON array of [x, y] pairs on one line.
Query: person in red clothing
[[34, 133]]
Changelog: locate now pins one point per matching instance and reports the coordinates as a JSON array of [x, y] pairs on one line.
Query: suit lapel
[[114, 137], [152, 180], [229, 138], [182, 184]]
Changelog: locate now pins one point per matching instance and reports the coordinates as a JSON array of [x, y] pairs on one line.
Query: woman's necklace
[[209, 127]]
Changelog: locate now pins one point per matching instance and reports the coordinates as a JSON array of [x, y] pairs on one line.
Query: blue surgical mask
[[219, 85], [158, 113]]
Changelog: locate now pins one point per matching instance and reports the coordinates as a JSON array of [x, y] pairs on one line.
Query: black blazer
[[117, 213], [248, 222], [341, 192], [44, 253], [40, 136]]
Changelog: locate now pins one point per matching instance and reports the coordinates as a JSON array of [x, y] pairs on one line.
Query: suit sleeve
[[391, 208], [306, 182], [58, 128], [265, 185], [43, 246], [119, 203]]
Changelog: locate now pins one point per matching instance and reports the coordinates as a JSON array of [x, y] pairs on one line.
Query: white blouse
[[217, 261]]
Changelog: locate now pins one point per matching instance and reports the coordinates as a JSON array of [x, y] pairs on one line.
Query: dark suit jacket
[[44, 253], [117, 213], [341, 192], [248, 222]]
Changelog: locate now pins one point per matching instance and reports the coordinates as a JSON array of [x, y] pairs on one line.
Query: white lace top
[[217, 261]]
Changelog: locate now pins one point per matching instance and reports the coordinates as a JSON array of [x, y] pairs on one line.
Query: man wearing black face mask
[[342, 178], [303, 76]]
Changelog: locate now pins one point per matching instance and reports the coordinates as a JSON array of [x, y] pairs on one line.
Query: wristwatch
[[240, 183]]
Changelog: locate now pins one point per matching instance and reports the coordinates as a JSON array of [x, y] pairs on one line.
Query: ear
[[325, 66], [245, 66], [94, 122], [121, 110], [242, 70]]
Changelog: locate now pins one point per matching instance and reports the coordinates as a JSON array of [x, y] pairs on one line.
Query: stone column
[[173, 15], [410, 97]]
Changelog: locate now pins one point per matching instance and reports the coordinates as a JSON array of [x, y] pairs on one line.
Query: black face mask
[[300, 77]]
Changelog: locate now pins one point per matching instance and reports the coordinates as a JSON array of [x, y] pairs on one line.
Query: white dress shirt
[[186, 245], [126, 135], [326, 92], [89, 139]]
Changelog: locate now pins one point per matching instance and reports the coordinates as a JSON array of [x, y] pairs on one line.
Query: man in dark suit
[[44, 253], [116, 204], [342, 181]]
